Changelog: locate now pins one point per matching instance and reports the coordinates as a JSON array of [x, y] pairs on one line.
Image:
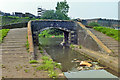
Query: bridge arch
[[68, 27]]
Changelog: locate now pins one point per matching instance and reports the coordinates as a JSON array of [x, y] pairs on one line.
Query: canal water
[[67, 57]]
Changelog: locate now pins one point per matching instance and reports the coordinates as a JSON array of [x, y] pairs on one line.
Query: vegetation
[[109, 32], [93, 24], [51, 32], [3, 34], [80, 46], [6, 20], [59, 14], [26, 70], [72, 46], [62, 7], [27, 45], [33, 61], [51, 14], [49, 65]]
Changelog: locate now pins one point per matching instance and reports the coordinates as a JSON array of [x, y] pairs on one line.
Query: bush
[[93, 24]]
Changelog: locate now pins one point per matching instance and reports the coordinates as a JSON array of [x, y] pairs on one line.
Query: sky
[[84, 9]]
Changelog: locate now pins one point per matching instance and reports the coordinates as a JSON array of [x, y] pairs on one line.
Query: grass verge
[[109, 32], [3, 33]]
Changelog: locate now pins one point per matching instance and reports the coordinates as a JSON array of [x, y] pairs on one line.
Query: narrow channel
[[66, 57]]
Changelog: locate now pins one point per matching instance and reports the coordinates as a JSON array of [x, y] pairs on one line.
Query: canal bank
[[104, 59], [65, 56]]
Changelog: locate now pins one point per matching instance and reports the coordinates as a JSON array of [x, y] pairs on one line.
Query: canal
[[69, 59]]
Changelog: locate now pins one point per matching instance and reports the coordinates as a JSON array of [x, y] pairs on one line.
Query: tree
[[62, 7], [51, 14]]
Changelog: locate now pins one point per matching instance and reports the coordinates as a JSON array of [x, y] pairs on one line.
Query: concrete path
[[15, 58], [108, 41]]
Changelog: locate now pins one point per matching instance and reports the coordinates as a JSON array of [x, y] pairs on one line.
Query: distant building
[[18, 14], [1, 13], [105, 22], [29, 15], [40, 11], [4, 14]]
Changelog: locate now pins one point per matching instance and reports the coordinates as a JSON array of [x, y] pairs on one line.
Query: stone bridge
[[68, 27], [74, 33]]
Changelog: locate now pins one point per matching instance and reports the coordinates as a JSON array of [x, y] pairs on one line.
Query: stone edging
[[108, 61], [30, 41], [105, 48]]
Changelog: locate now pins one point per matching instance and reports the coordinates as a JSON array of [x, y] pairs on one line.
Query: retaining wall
[[15, 25]]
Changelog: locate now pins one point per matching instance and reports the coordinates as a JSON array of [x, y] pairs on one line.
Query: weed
[[57, 65], [110, 61], [33, 61], [26, 70], [44, 57], [41, 51], [40, 48], [34, 65], [18, 68], [27, 46], [3, 66], [52, 74], [46, 67], [34, 73], [49, 65], [72, 46], [80, 46]]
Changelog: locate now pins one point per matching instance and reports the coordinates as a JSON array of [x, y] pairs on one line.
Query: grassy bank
[[3, 33], [115, 34], [6, 20]]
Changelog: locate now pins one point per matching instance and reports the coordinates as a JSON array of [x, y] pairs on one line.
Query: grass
[[109, 32], [80, 46], [3, 34], [52, 74], [6, 20], [45, 58], [49, 65], [27, 44], [33, 61], [72, 46], [26, 70], [34, 65]]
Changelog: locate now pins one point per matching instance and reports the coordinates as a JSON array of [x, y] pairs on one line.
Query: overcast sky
[[78, 8]]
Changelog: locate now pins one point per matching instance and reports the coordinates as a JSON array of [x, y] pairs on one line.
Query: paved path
[[108, 41], [15, 58]]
